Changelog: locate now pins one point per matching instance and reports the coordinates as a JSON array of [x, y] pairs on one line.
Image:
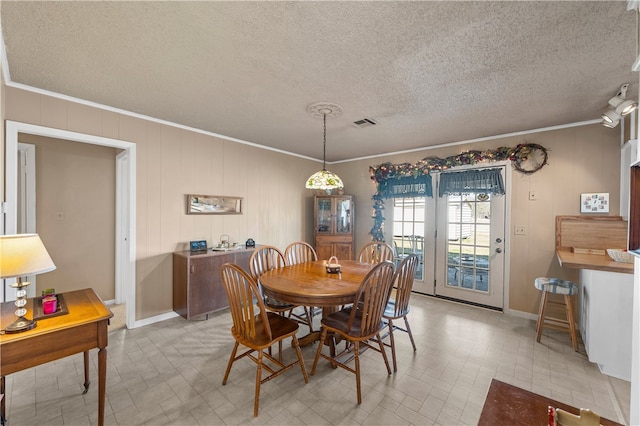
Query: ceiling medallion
[[322, 109], [324, 179]]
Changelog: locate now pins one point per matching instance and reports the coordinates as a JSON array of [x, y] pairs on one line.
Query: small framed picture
[[594, 203], [213, 204], [198, 245]]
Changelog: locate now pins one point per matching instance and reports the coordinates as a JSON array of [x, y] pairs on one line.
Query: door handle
[[498, 240], [498, 250]]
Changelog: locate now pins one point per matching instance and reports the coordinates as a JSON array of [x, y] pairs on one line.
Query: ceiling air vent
[[365, 122]]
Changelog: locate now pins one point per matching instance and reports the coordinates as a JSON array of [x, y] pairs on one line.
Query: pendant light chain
[[324, 138], [324, 179]]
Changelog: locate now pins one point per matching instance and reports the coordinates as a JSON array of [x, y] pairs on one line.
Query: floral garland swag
[[519, 156]]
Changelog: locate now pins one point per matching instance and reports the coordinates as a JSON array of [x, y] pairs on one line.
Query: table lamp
[[22, 255]]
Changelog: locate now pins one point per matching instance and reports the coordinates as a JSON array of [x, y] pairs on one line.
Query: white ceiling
[[429, 73]]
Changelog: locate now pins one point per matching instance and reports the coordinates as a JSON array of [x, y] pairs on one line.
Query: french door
[[470, 248], [460, 242]]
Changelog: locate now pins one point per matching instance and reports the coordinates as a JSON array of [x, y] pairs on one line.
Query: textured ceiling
[[429, 73]]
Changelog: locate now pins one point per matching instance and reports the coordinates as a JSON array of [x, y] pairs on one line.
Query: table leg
[[87, 382], [3, 420], [102, 383]]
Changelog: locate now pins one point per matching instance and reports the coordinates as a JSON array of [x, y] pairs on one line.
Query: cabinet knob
[[193, 269]]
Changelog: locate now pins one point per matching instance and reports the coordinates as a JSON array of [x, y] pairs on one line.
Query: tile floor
[[170, 373]]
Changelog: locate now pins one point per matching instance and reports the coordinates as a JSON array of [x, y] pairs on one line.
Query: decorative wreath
[[526, 158]]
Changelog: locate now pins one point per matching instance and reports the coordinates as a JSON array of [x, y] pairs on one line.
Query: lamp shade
[[23, 254], [324, 179]]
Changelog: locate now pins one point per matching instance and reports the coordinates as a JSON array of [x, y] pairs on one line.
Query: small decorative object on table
[[620, 255], [49, 301], [333, 267], [197, 246]]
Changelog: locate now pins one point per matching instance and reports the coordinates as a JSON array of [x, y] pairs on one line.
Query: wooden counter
[[596, 262], [606, 288], [592, 233]]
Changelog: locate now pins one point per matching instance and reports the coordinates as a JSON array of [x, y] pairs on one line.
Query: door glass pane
[[408, 230], [343, 216], [324, 215], [468, 241]]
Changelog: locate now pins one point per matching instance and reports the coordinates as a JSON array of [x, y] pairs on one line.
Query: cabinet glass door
[[324, 215], [343, 216]]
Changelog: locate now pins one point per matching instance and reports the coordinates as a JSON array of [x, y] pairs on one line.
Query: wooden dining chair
[[560, 417], [359, 323], [376, 252], [266, 258], [398, 305], [257, 330], [299, 252], [302, 252]]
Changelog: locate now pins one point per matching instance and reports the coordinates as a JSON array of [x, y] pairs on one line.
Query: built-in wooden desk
[[82, 329], [606, 288], [568, 259], [597, 233]]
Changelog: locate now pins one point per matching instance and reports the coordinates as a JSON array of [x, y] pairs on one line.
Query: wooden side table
[[84, 327]]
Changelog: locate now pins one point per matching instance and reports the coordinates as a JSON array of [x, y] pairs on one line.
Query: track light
[[619, 107], [610, 118]]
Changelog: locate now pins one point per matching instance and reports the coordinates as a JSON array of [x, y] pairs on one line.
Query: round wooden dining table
[[309, 284]]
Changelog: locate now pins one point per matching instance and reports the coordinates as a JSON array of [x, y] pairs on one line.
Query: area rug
[[510, 405]]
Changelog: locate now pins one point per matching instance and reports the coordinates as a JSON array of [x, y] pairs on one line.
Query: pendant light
[[324, 179]]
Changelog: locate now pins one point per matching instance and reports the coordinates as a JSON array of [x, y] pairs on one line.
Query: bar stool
[[566, 289]]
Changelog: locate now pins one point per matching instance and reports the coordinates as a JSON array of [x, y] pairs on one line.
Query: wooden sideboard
[[197, 288]]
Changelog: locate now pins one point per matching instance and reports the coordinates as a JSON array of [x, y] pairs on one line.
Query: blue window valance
[[488, 181], [406, 187]]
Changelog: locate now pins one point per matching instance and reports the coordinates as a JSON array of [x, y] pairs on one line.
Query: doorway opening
[[125, 242]]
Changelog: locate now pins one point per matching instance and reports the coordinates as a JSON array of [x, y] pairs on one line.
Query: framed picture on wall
[[594, 203], [213, 204]]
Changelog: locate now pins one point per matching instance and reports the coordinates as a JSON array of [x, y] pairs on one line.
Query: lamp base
[[20, 325]]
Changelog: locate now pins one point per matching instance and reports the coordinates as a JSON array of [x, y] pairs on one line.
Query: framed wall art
[[594, 203], [213, 204]]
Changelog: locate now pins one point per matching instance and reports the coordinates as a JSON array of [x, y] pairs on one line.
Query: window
[[408, 229]]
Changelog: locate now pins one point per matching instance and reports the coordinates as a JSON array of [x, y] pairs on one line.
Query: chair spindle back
[[264, 259], [371, 298], [244, 297], [376, 252], [403, 280], [299, 252]]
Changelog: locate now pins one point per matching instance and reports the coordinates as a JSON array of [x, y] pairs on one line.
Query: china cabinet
[[333, 226]]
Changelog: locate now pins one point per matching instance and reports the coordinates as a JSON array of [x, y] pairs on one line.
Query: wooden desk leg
[[3, 419], [87, 382], [102, 383]]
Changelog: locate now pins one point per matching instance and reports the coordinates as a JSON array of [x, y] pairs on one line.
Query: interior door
[[470, 248]]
